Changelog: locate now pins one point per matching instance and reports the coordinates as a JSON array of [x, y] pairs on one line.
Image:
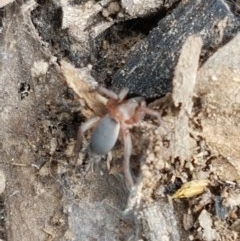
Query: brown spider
[[121, 115]]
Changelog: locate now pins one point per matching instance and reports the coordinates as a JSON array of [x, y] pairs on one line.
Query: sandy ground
[[186, 170]]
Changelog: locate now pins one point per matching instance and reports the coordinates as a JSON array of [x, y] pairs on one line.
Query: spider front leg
[[148, 111], [127, 154], [83, 128], [112, 95]]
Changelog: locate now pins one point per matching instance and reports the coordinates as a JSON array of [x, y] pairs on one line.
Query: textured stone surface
[[149, 69]]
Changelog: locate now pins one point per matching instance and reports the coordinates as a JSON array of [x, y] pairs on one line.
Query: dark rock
[[149, 70]]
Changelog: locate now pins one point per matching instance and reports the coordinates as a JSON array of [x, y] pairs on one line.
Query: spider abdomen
[[105, 135]]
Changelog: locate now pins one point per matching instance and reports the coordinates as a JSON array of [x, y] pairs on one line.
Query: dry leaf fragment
[[191, 189], [183, 88], [80, 81]]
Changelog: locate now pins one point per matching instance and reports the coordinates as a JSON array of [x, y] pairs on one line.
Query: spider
[[122, 114]]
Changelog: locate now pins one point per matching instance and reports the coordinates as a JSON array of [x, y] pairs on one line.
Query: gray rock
[[149, 69]]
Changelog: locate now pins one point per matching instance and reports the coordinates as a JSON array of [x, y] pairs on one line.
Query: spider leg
[[83, 128], [151, 112], [123, 93], [107, 92], [127, 153], [112, 95]]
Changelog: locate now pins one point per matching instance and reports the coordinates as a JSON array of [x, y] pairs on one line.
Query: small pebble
[[2, 181]]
